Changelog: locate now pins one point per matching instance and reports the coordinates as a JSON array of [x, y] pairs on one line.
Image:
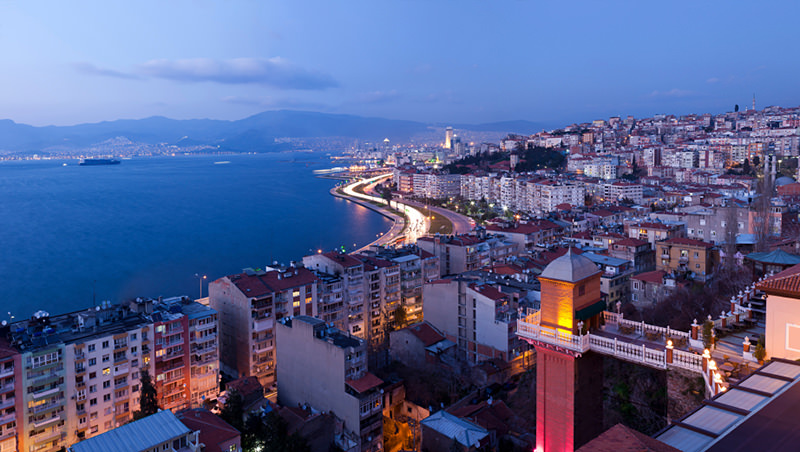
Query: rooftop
[[786, 283], [214, 432], [464, 432], [259, 283], [570, 267], [139, 435]]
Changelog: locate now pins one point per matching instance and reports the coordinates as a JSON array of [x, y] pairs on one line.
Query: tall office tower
[[248, 305], [448, 138]]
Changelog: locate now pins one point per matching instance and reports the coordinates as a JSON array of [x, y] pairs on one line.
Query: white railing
[[530, 328], [687, 360]]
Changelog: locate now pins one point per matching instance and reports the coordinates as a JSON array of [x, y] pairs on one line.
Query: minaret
[[754, 101]]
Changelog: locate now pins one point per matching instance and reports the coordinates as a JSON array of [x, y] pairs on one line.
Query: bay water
[[71, 236]]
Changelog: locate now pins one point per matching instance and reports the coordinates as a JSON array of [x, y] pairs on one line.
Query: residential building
[[467, 252], [634, 250], [158, 432], [614, 279], [682, 255], [478, 317], [326, 369], [351, 270], [10, 376], [215, 434], [648, 288], [382, 292], [653, 232], [444, 431], [248, 305]]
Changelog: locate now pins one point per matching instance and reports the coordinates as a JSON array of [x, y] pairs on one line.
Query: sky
[[442, 61]]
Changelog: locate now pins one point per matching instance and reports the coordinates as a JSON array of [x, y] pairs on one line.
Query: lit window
[[107, 371]]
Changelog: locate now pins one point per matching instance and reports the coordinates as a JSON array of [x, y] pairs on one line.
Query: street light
[[200, 278]]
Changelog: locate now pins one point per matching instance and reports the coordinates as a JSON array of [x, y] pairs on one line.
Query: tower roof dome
[[570, 268]]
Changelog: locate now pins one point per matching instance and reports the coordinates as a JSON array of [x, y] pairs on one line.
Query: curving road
[[461, 223]]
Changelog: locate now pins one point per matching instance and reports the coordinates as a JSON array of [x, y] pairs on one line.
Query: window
[[581, 289], [107, 371], [93, 429], [92, 389], [106, 397], [135, 388], [92, 375], [696, 265], [92, 402], [133, 336], [106, 358], [43, 360], [92, 361], [91, 347], [696, 254], [106, 384], [105, 344]]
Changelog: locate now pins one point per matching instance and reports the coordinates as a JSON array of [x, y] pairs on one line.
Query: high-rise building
[[351, 270], [448, 138], [10, 374], [326, 369]]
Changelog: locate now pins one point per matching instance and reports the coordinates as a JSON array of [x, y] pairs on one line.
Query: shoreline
[[398, 226]]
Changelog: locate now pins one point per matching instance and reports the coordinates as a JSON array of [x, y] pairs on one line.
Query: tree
[[708, 337], [760, 352], [148, 401], [400, 318], [233, 411], [736, 108]]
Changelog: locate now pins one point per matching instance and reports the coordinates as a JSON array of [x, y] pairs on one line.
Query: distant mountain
[[255, 133]]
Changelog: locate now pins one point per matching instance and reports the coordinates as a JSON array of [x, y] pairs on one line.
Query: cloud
[[276, 72], [712, 80], [269, 102], [88, 68], [378, 97], [674, 92]]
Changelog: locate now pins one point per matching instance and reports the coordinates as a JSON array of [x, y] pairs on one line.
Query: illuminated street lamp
[[200, 278]]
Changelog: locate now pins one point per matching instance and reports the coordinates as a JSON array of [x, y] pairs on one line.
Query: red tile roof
[[273, 281], [656, 277], [214, 432], [623, 439], [488, 291], [344, 260], [631, 242], [690, 242], [365, 383], [785, 283], [425, 333]]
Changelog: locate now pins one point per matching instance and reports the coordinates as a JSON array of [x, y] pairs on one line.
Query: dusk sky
[[433, 60]]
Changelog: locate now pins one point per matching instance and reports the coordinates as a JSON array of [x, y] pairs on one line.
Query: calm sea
[[144, 228]]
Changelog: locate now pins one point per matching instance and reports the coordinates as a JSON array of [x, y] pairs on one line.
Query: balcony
[[683, 260], [7, 388], [7, 403], [80, 356], [46, 436], [47, 407], [45, 392], [7, 372], [263, 324], [665, 256], [5, 419], [8, 433]]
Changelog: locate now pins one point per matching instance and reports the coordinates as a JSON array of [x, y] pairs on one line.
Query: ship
[[95, 162]]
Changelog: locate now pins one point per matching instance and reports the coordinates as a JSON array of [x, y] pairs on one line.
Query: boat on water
[[96, 162]]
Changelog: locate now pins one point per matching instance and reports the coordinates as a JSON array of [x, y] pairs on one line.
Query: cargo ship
[[95, 162]]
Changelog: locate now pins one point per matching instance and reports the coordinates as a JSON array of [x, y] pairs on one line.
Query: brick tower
[[569, 384]]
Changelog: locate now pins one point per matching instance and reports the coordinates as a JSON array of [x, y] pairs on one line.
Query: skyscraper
[[448, 138]]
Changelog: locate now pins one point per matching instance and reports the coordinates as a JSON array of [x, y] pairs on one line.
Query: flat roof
[[759, 413]]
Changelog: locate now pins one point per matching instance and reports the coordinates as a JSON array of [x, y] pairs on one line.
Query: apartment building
[[549, 194], [10, 375], [79, 373], [416, 266], [326, 369], [684, 255], [639, 252], [186, 365], [466, 252], [618, 191], [351, 272], [382, 292], [248, 305], [614, 278], [478, 317], [652, 232]]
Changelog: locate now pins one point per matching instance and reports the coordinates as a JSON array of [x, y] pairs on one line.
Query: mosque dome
[[783, 180], [570, 268]]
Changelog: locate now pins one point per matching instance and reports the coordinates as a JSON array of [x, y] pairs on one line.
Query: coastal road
[[461, 223], [417, 225]]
